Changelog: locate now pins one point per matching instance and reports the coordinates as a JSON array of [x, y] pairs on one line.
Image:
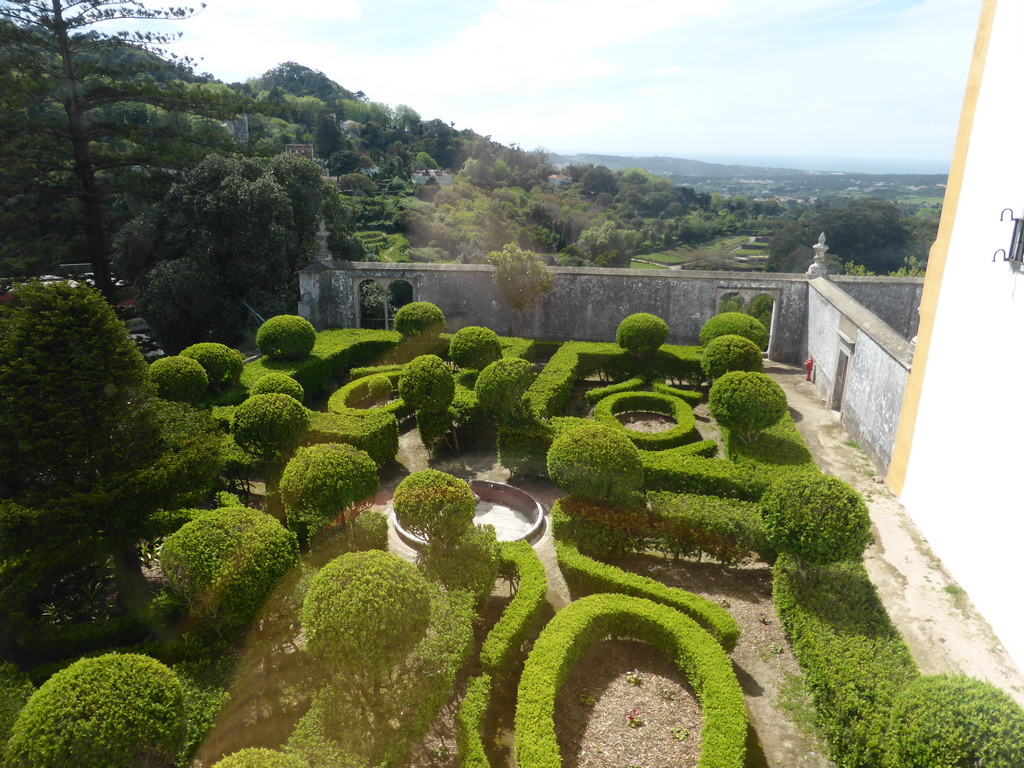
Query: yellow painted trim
[[939, 252]]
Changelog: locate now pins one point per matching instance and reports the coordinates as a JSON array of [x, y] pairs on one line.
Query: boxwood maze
[[568, 635]]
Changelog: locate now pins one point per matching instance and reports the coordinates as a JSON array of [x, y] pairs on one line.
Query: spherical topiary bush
[[281, 383], [734, 323], [420, 318], [746, 402], [286, 337], [597, 462], [179, 378], [434, 505], [112, 711], [364, 612], [321, 482], [730, 353], [501, 385], [427, 384], [474, 347], [266, 425], [223, 365], [258, 757], [226, 561], [816, 518], [641, 334], [949, 721]]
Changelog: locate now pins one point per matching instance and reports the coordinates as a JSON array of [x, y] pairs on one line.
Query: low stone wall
[[861, 367], [582, 305]]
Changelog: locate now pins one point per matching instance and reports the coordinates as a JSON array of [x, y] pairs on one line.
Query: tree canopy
[[91, 122]]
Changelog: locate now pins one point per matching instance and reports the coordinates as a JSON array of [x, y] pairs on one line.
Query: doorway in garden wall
[[378, 299]]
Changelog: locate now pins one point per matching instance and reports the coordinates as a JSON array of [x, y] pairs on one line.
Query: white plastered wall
[[964, 482]]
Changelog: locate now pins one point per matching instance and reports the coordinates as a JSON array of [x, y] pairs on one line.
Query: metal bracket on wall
[[1015, 255]]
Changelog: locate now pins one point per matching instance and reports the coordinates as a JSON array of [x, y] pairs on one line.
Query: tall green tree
[[90, 122], [521, 275], [227, 241], [87, 453]]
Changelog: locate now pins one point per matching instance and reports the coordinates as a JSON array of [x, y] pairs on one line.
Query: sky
[[706, 79]]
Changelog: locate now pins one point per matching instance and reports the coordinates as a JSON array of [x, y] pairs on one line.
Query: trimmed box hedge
[[521, 618], [374, 431], [629, 385], [682, 433], [587, 576], [855, 661], [582, 623]]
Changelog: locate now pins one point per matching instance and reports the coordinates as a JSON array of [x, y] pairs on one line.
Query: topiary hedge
[[286, 337], [948, 721], [522, 616], [374, 431], [469, 723], [678, 363], [816, 518], [321, 483], [500, 388], [268, 425], [364, 612], [746, 403], [586, 575], [179, 378], [641, 334], [222, 364], [593, 396], [112, 711], [684, 431], [434, 505], [596, 462], [226, 561], [735, 323], [281, 383], [575, 628], [419, 319], [427, 384], [854, 659], [474, 347], [691, 397], [258, 757], [731, 353]]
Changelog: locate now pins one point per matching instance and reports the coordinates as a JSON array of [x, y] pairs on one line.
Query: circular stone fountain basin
[[514, 513]]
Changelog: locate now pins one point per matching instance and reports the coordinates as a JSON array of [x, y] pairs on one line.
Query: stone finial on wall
[[818, 268]]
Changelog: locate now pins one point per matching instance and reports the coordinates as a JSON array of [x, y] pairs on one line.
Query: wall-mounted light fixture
[[1016, 253]]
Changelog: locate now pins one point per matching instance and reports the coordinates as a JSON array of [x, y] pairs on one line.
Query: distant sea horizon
[[832, 164]]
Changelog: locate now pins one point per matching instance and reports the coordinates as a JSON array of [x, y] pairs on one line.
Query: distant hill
[[691, 170]]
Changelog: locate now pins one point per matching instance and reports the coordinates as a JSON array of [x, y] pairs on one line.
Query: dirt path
[[940, 624]]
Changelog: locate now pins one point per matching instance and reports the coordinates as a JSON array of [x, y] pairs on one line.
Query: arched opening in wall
[[761, 307], [400, 293], [730, 302], [371, 305]]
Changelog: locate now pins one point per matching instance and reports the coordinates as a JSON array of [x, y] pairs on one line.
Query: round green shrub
[[286, 337], [420, 318], [226, 561], [112, 711], [736, 324], [258, 757], [427, 384], [641, 334], [320, 484], [949, 721], [223, 365], [364, 612], [469, 563], [267, 425], [179, 378], [281, 383], [596, 462], [474, 347], [816, 518], [434, 505], [501, 385], [746, 402], [730, 353]]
